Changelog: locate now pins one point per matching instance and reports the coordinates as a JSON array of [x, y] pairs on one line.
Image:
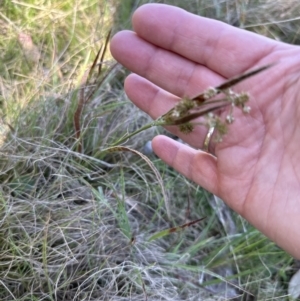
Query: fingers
[[148, 97], [183, 53], [166, 69], [196, 165], [222, 48]]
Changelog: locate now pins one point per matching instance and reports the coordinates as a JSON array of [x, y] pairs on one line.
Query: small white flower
[[210, 92], [246, 109], [229, 119], [175, 114]]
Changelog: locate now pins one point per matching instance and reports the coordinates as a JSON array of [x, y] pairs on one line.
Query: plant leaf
[[165, 232]]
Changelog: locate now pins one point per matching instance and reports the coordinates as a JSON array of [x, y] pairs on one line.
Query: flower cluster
[[188, 109], [208, 104]]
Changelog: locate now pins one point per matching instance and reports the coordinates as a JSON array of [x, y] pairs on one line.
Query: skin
[[256, 168]]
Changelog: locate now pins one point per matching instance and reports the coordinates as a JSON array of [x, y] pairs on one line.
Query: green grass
[[77, 225]]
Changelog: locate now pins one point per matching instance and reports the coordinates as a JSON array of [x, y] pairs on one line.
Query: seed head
[[186, 128], [210, 92]]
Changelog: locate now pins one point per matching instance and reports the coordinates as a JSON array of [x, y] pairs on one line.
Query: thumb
[[196, 165]]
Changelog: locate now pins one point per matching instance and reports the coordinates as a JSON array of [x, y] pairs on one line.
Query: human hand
[[256, 168]]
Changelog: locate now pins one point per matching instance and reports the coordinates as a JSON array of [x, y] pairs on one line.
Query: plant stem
[[156, 122]]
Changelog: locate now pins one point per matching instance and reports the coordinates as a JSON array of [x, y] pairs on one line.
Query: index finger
[[224, 49]]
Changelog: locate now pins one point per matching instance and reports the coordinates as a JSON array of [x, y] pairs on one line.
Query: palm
[[256, 166]]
